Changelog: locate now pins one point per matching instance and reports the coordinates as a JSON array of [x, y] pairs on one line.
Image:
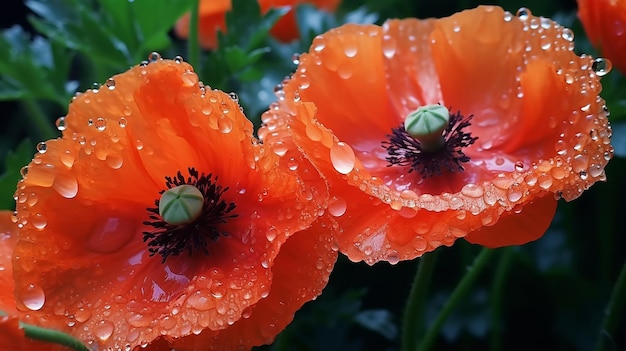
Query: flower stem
[[193, 45], [455, 298], [614, 309], [53, 336], [38, 119], [496, 298], [414, 310]]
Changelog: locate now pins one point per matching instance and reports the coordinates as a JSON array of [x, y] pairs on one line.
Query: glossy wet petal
[[81, 261], [542, 128]]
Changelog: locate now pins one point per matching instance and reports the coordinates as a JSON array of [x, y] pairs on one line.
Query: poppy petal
[[542, 130], [81, 260]]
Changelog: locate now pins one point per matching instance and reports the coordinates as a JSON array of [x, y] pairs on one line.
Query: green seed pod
[[181, 204], [427, 124]]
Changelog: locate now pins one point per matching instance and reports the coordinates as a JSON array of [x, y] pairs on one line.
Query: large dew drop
[[66, 186], [342, 157], [33, 297], [104, 330]]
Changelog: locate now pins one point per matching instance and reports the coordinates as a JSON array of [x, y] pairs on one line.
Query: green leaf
[[8, 180], [33, 68], [113, 33]]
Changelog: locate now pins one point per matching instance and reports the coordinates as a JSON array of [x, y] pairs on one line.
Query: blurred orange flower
[[11, 334], [212, 17], [100, 255], [527, 127], [605, 24]]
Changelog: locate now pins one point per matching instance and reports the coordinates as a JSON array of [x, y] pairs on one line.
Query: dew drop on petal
[[60, 123], [104, 330], [225, 124], [337, 206], [567, 34], [100, 123], [472, 190], [42, 147], [189, 78], [292, 164], [38, 221], [110, 83], [601, 66], [271, 233], [295, 58], [65, 185], [342, 157], [154, 56], [114, 160], [32, 296], [122, 122], [523, 13]]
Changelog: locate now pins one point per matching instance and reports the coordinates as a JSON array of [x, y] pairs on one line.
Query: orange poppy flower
[[526, 127], [605, 24], [212, 17], [11, 334], [103, 252]]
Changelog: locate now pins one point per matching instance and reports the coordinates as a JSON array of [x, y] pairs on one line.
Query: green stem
[[52, 336], [414, 310], [193, 45], [614, 310], [455, 298], [497, 292], [38, 119], [49, 335]]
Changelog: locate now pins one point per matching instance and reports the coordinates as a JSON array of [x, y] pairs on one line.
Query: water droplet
[[393, 257], [114, 160], [472, 190], [523, 13], [104, 330], [189, 78], [32, 296], [60, 123], [342, 157], [123, 122], [337, 206], [601, 66], [178, 59], [110, 83], [271, 233], [292, 164], [38, 221], [514, 194], [545, 181], [567, 34], [154, 56], [24, 171], [508, 16], [95, 87], [225, 124], [233, 96], [519, 166], [100, 123], [295, 59], [199, 302], [42, 147]]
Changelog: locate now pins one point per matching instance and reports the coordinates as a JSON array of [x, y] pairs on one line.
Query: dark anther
[[404, 150], [167, 239]]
